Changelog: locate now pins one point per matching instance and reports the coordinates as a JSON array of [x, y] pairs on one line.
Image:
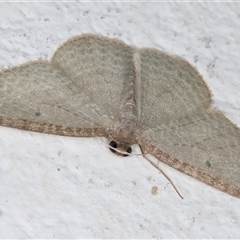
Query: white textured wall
[[56, 187]]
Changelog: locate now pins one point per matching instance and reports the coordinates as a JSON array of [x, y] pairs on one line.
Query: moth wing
[[170, 88], [100, 67], [37, 92], [204, 146], [80, 88]]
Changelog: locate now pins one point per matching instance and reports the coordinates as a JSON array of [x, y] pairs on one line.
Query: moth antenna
[[144, 155], [164, 174]]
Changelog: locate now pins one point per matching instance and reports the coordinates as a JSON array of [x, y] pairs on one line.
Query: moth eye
[[129, 150], [114, 145]]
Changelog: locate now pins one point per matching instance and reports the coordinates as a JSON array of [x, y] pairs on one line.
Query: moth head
[[120, 149]]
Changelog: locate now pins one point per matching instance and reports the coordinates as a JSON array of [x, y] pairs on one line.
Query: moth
[[100, 87]]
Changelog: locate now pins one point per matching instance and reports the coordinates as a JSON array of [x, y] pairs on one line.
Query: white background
[[62, 187]]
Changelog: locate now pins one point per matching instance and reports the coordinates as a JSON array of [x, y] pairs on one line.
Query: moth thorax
[[125, 128]]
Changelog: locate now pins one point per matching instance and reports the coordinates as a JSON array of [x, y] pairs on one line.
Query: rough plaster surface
[[60, 187]]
